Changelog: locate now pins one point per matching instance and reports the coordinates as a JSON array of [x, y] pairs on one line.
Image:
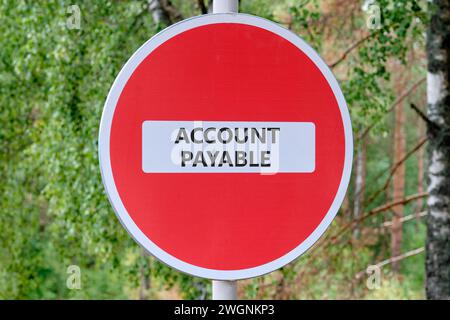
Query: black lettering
[[241, 158], [229, 138], [193, 132], [186, 156], [256, 134], [207, 139], [182, 135], [244, 139], [265, 158], [274, 132]]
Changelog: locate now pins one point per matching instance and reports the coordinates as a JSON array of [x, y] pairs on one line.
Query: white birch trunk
[[438, 235]]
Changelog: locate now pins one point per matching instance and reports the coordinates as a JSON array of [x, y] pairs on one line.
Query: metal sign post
[[225, 290], [225, 6]]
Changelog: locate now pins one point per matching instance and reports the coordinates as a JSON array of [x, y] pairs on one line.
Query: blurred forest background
[[54, 79]]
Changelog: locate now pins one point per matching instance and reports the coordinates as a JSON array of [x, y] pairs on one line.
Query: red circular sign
[[229, 69]]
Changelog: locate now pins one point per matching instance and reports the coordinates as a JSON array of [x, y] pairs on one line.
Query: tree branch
[[395, 104], [164, 10], [350, 49], [388, 224], [201, 5], [349, 226], [394, 169], [394, 259], [383, 208], [433, 127]]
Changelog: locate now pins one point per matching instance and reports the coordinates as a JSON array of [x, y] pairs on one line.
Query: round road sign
[[225, 146]]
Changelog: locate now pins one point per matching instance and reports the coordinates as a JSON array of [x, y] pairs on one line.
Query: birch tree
[[438, 236]]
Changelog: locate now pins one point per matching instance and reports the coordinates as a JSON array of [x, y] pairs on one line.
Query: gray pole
[[225, 290], [225, 6]]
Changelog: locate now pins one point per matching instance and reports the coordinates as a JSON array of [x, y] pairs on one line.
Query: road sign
[[225, 146]]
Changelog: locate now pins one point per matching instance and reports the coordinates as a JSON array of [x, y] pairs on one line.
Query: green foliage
[[54, 84], [402, 25], [53, 210], [394, 289]]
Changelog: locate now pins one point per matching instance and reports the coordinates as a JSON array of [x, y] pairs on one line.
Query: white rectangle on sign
[[228, 147]]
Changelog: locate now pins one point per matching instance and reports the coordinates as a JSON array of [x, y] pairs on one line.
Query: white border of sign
[[104, 143]]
